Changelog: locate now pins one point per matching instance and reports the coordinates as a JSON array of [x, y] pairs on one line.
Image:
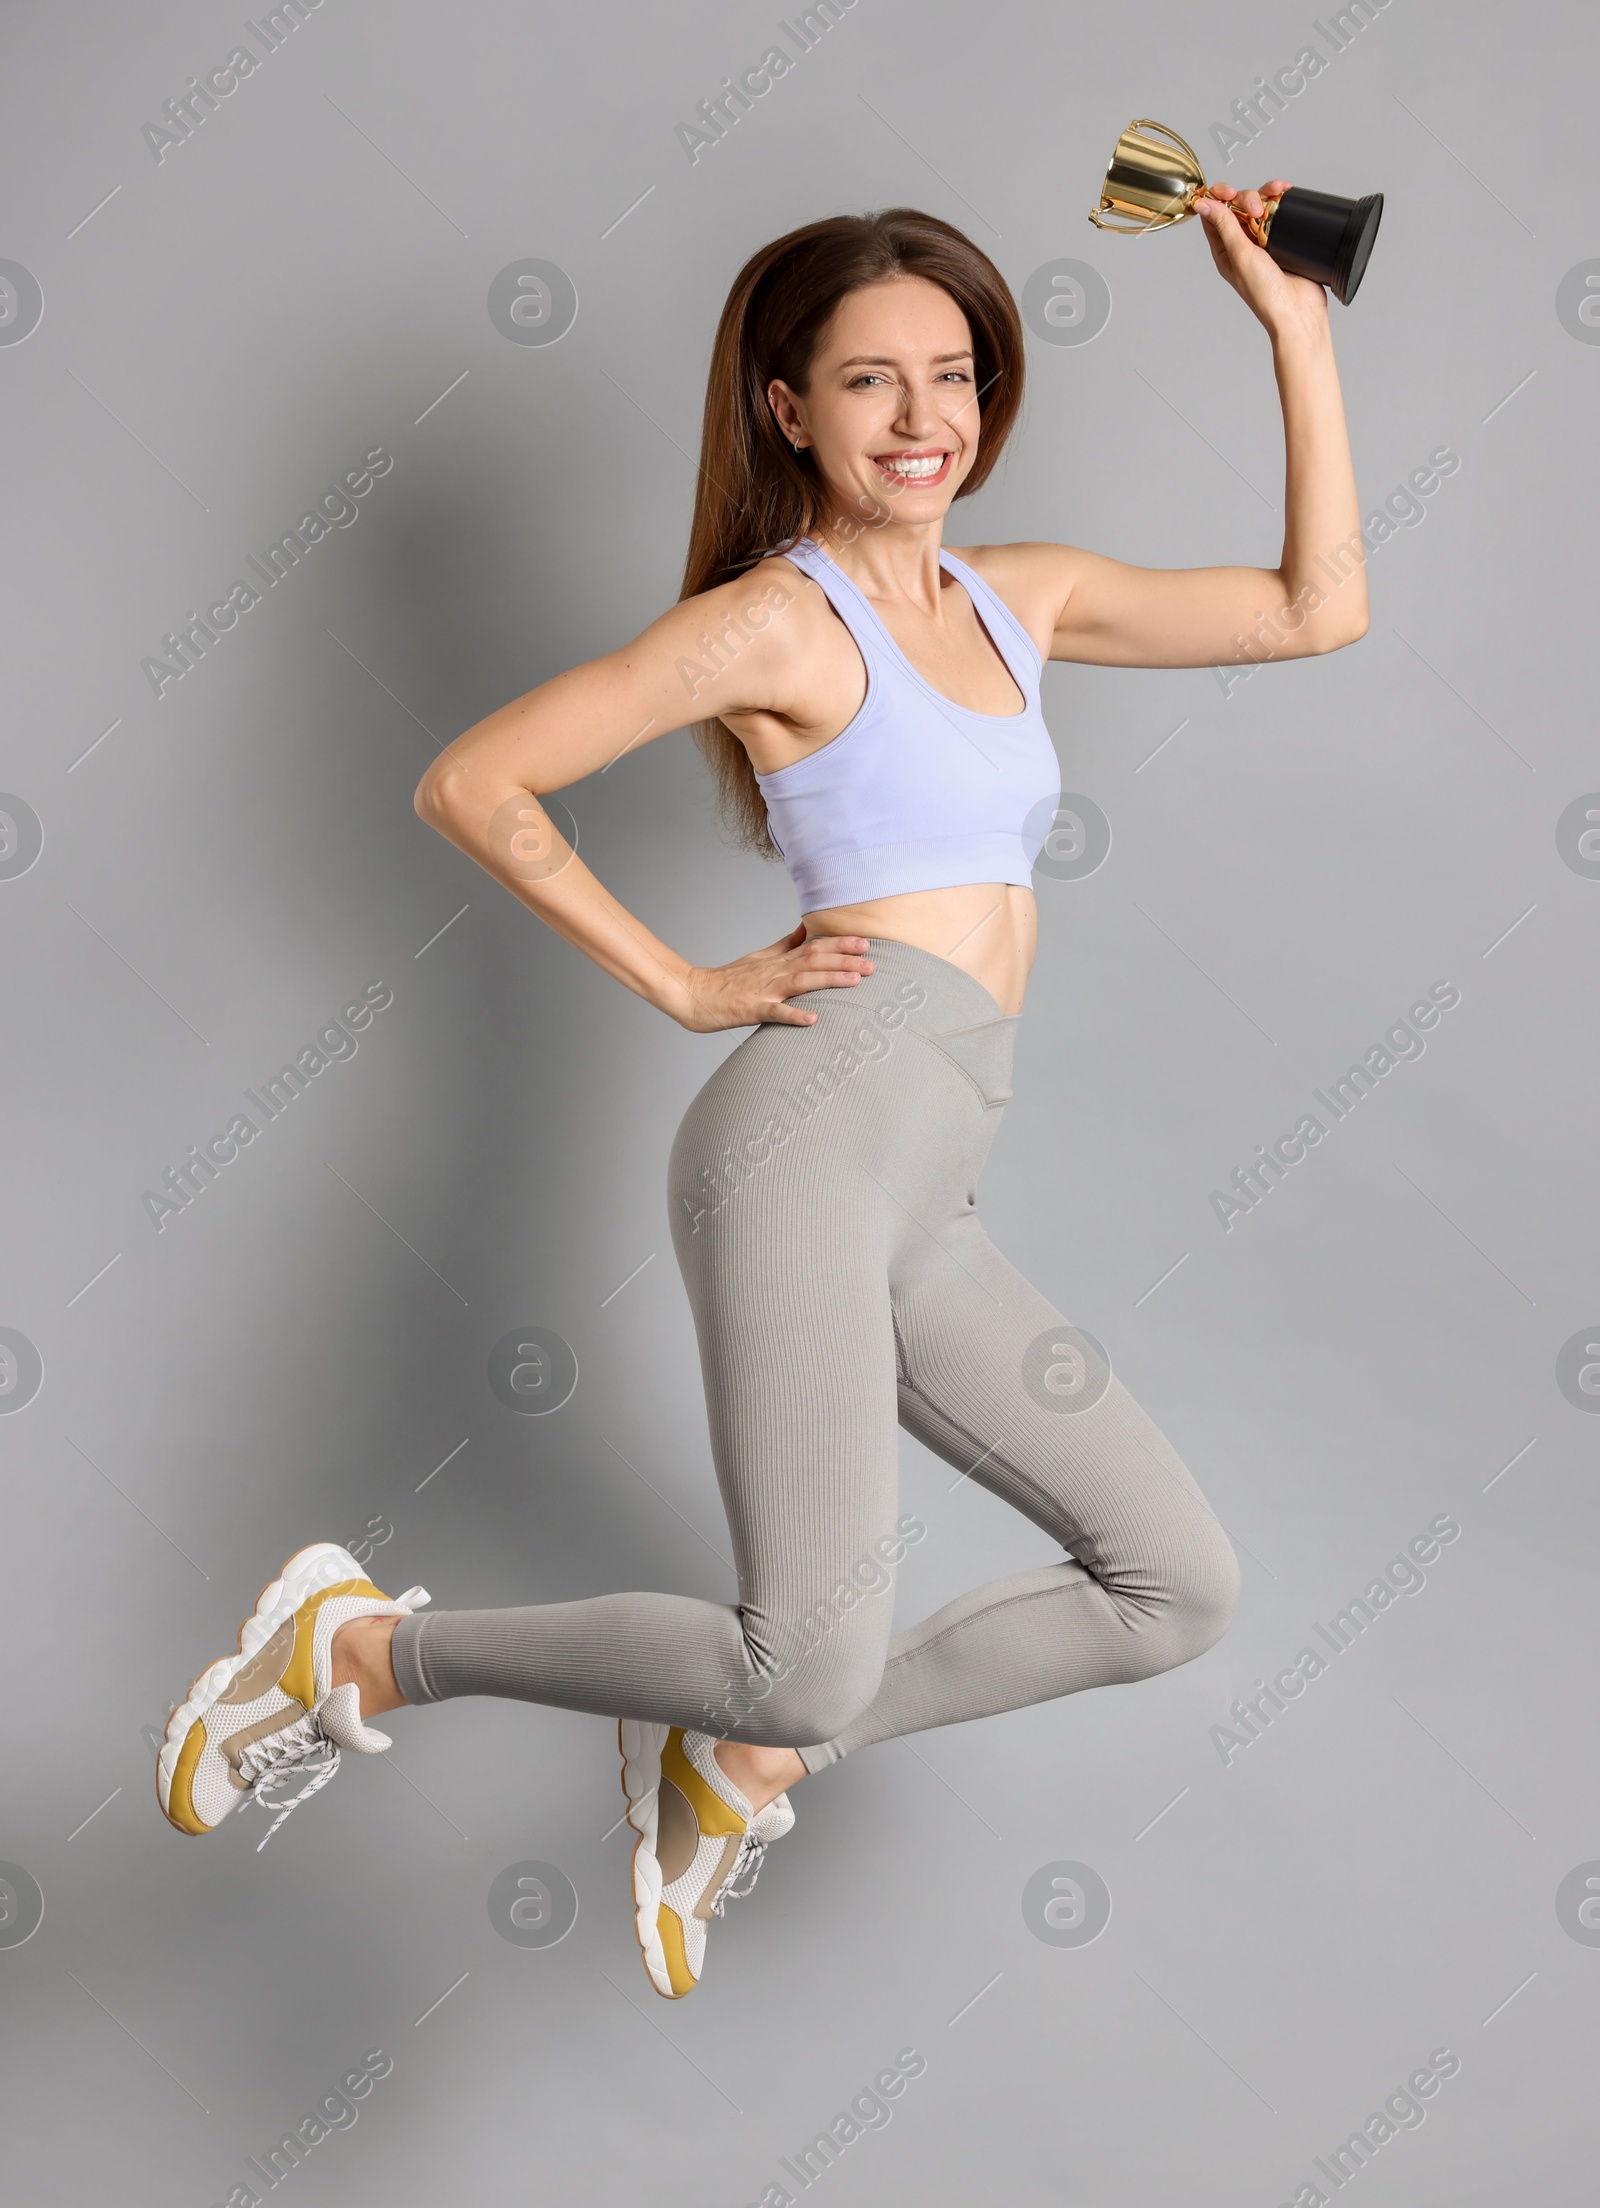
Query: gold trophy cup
[[1151, 186]]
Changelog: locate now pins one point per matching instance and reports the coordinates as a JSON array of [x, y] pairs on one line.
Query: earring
[[797, 444]]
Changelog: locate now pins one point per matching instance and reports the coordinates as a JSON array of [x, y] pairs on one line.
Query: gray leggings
[[823, 1190]]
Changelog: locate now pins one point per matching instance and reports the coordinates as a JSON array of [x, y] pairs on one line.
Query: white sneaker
[[253, 1721], [700, 1846]]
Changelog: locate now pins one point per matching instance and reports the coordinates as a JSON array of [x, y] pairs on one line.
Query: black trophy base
[[1328, 239]]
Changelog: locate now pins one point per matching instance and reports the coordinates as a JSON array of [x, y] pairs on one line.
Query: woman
[[872, 706]]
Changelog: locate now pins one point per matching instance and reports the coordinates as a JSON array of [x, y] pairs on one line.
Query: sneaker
[[253, 1721], [700, 1846]]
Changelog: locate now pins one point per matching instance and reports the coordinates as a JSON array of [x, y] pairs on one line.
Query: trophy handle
[[1148, 122], [1131, 226]]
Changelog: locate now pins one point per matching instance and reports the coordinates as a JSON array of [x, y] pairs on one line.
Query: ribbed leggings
[[823, 1192]]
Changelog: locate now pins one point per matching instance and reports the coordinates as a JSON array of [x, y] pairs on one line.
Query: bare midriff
[[988, 929]]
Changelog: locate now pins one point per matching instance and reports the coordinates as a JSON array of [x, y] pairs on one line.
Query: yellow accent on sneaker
[[712, 1813], [681, 1978], [179, 1804]]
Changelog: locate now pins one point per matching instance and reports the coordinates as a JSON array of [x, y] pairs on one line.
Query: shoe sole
[[641, 1747], [282, 1596]]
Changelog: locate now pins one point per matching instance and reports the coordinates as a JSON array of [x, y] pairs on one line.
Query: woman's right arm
[[734, 649]]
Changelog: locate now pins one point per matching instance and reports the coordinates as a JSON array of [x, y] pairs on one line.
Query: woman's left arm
[[1112, 614]]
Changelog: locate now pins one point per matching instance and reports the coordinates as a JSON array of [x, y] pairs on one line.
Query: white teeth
[[914, 467]]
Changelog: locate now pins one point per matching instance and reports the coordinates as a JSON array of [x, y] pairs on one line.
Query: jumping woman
[[870, 706]]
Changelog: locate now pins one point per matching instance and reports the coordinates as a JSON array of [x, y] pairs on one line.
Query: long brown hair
[[755, 493]]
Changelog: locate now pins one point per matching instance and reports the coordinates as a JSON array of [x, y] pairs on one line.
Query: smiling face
[[890, 414]]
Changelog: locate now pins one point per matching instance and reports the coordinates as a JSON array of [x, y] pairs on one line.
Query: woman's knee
[[1205, 1597], [805, 1702]]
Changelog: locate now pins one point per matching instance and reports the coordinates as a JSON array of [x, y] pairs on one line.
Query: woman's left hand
[[1281, 302]]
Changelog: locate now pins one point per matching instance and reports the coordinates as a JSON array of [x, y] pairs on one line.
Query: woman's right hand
[[756, 988]]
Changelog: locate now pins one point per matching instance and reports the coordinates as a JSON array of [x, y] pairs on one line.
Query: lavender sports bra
[[918, 792]]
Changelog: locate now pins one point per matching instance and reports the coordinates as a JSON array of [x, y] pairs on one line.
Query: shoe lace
[[301, 1750], [747, 1864]]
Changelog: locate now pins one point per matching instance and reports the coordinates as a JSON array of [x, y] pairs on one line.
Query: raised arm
[[1112, 614], [721, 652]]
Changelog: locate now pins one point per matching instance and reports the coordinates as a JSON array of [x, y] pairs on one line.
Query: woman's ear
[[785, 410]]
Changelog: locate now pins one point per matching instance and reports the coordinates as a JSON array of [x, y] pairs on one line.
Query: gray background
[[1372, 1880]]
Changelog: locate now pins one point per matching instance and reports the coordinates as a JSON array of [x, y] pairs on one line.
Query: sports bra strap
[[1005, 630], [856, 610], [847, 599]]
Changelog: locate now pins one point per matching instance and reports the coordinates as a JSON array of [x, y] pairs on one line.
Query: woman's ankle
[[760, 1774], [360, 1655]]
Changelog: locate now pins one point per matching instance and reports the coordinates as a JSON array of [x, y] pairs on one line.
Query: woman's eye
[[872, 376]]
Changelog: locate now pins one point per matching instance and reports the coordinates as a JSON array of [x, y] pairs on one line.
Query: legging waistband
[[912, 992], [955, 1001]]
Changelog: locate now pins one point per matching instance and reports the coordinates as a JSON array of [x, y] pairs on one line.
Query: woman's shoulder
[[774, 581], [1032, 580], [769, 638], [1025, 566], [776, 600]]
